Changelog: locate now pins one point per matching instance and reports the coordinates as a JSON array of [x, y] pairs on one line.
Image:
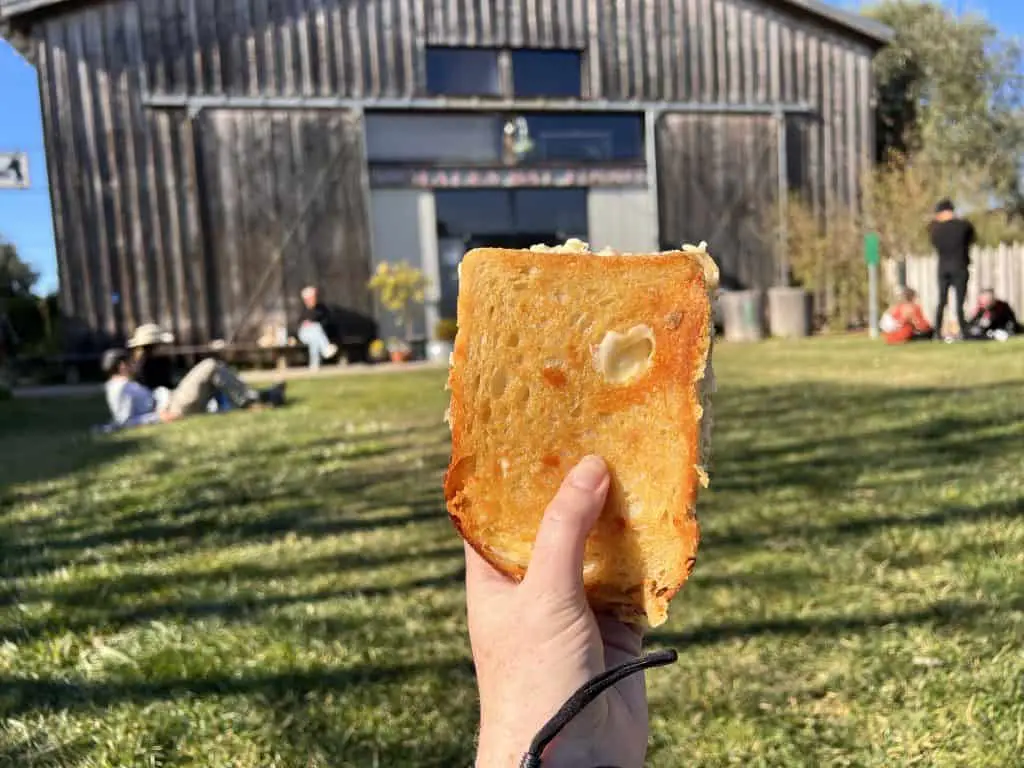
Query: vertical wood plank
[[306, 79], [77, 94], [172, 189], [353, 25], [109, 89], [194, 246], [44, 55], [853, 163], [762, 48], [720, 91]]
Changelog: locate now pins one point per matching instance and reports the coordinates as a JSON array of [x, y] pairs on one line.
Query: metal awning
[[195, 104]]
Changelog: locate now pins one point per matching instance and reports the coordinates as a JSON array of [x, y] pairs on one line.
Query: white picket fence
[[1001, 269]]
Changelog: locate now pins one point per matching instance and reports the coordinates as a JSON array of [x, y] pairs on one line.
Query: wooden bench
[[255, 355]]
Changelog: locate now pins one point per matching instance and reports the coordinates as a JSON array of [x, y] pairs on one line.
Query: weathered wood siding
[[145, 234], [717, 180], [285, 206]]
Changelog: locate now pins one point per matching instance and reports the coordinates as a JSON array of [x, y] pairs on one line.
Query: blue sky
[[25, 214]]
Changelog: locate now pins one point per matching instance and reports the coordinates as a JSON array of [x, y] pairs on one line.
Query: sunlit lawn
[[284, 588]]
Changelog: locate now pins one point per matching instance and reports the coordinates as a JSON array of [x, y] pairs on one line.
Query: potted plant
[[399, 351], [399, 287], [440, 349]]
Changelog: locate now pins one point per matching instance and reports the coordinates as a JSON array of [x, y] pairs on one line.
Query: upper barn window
[[463, 72], [547, 74]]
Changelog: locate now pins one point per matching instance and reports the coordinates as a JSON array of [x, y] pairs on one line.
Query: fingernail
[[589, 474]]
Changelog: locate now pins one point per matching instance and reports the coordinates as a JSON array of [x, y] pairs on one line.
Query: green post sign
[[872, 249]]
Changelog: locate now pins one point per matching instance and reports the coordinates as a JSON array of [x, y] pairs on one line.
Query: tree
[[900, 198], [951, 90], [17, 278]]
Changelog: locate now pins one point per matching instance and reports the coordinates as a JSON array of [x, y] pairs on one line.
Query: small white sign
[[13, 170]]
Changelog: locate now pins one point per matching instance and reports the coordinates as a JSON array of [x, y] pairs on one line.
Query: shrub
[[399, 287], [446, 329]]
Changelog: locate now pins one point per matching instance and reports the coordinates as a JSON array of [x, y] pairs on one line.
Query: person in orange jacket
[[905, 320]]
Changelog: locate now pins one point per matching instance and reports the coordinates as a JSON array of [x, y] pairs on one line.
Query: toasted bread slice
[[562, 353]]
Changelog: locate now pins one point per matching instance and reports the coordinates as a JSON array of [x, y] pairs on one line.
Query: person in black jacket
[[313, 328], [952, 238], [993, 319]]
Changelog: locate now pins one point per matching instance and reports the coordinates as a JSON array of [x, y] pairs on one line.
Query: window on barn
[[463, 72], [547, 74], [594, 138], [433, 138]]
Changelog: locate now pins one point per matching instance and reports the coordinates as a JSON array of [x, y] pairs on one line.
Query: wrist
[[503, 741], [499, 753], [508, 753]]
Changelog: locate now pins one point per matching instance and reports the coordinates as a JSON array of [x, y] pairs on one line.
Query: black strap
[[586, 694]]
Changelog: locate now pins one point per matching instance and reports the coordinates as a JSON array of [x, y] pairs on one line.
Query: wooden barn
[[208, 158]]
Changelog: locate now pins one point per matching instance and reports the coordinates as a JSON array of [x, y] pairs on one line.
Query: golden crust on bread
[[563, 353]]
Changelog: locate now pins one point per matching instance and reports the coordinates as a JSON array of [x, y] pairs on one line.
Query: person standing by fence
[[952, 238]]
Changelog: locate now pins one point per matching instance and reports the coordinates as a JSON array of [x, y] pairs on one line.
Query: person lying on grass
[[131, 404], [905, 320]]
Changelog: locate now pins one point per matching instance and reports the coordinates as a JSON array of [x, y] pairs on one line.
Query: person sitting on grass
[[994, 319], [132, 404], [313, 328], [905, 321]]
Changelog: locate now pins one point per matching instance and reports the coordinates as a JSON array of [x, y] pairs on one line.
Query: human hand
[[535, 643]]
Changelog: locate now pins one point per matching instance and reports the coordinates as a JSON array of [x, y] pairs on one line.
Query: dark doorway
[[515, 240], [501, 218]]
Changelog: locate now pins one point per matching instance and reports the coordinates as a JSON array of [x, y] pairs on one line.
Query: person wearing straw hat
[[132, 404], [152, 370]]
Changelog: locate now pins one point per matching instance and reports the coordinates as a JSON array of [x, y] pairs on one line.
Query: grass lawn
[[284, 588]]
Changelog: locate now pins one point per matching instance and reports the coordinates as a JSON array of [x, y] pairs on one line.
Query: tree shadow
[[230, 511], [55, 455], [824, 438], [20, 696], [943, 613], [36, 753], [239, 607], [717, 544], [100, 592]]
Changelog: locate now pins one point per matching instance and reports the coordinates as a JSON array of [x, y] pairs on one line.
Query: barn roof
[[852, 22]]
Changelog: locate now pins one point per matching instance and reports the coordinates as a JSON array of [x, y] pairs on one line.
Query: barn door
[[718, 181], [285, 208]]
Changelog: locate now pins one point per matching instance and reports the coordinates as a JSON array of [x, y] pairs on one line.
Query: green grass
[[284, 588]]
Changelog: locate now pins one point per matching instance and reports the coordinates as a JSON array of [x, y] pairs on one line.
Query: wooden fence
[[1000, 268]]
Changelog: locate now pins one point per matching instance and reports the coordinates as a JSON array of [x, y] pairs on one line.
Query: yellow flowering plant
[[399, 287]]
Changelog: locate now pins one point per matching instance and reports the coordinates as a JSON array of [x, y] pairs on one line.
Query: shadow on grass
[[945, 613], [814, 438], [37, 558], [713, 544], [53, 457], [20, 696], [41, 754], [108, 616], [97, 592], [823, 438]]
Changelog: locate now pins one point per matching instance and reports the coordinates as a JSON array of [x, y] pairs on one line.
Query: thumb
[[557, 561]]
